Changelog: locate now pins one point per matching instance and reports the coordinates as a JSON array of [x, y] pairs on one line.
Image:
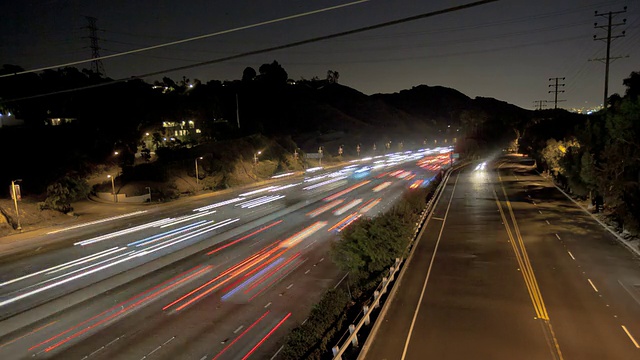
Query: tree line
[[595, 157]]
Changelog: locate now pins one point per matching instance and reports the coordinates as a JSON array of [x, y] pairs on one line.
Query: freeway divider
[[350, 338]]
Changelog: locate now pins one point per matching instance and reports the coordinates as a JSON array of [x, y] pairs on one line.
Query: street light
[[148, 188], [14, 194], [197, 176], [320, 156], [255, 157], [113, 189]]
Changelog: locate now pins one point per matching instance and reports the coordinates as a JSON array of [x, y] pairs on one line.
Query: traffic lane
[[390, 339], [582, 273], [211, 325], [476, 304], [294, 221]]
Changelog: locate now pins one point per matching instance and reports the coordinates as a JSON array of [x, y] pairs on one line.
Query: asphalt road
[[224, 278], [509, 268]]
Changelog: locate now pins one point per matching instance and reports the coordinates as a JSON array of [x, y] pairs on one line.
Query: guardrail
[[350, 337]]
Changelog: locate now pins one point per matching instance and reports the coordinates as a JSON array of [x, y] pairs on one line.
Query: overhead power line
[[274, 48], [200, 37]]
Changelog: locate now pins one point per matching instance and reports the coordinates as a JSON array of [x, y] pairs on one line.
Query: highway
[[509, 268], [222, 279]]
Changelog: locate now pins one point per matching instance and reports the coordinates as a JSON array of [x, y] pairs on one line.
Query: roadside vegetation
[[595, 158], [365, 250]]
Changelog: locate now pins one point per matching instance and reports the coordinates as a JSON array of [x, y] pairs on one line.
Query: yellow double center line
[[527, 270]]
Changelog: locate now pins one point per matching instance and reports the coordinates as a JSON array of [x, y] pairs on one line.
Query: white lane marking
[[570, 254], [593, 286], [305, 320], [321, 260], [540, 212], [277, 352], [289, 287], [238, 329], [558, 236], [344, 277], [630, 337], [426, 280], [268, 304], [548, 223], [306, 272]]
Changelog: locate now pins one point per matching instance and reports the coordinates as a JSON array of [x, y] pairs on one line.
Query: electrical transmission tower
[[609, 27], [540, 104], [556, 91], [96, 65]]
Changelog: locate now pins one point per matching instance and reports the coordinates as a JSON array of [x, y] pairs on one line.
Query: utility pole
[[540, 104], [96, 65], [556, 91], [610, 25]]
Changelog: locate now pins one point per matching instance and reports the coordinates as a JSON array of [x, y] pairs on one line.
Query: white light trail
[[57, 266], [122, 232], [222, 203], [347, 206], [186, 218], [97, 222], [257, 191]]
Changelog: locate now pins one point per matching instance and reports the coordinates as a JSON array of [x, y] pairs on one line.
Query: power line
[[273, 48], [189, 39]]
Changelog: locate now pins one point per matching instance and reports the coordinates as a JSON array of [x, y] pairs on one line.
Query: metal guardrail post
[[385, 282], [354, 339], [365, 310], [376, 297], [335, 350], [392, 271]]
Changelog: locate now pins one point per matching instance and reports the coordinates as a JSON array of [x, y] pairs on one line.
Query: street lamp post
[[113, 189], [148, 188], [197, 175], [255, 157], [14, 194], [320, 156]]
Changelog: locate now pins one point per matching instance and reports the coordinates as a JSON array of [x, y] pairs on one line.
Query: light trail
[[276, 280], [284, 187], [122, 232], [259, 201], [244, 237], [257, 191], [343, 221], [280, 267], [303, 234], [167, 234], [326, 182], [120, 308], [324, 208], [347, 206], [241, 335], [186, 218], [218, 204], [382, 186], [252, 279], [97, 222], [266, 337], [346, 191], [98, 254], [370, 205]]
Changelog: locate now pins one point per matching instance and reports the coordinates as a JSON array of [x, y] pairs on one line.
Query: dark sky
[[507, 49]]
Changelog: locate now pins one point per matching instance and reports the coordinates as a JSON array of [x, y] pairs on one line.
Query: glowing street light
[[15, 194], [197, 175], [255, 157], [113, 189]]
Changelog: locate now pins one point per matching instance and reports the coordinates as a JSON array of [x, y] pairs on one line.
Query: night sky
[[507, 50]]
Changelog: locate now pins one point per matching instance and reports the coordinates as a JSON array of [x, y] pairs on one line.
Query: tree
[[248, 74], [273, 73], [332, 76]]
